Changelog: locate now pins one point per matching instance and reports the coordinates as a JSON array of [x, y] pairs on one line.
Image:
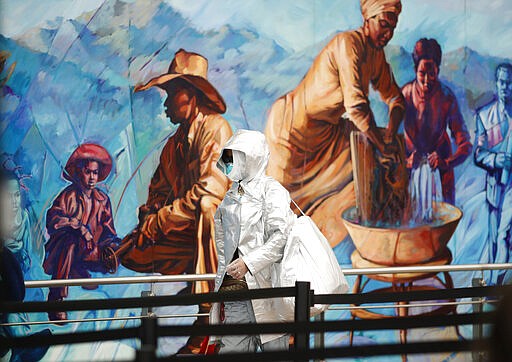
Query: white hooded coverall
[[254, 219]]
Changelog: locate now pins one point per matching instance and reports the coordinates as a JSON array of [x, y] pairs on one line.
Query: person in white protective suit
[[251, 228]]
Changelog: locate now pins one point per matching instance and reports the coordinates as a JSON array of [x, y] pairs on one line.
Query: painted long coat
[[66, 253], [426, 122], [185, 191], [308, 131]]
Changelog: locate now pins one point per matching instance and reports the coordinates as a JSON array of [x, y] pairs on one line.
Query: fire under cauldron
[[382, 199], [404, 245]]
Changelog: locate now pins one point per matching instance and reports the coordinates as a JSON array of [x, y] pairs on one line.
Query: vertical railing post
[[477, 327], [302, 304], [319, 337], [146, 311], [148, 340]]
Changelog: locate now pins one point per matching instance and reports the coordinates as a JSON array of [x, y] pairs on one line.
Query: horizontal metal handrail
[[118, 280], [427, 269], [393, 323], [106, 319], [196, 277], [190, 315], [153, 301], [412, 305]]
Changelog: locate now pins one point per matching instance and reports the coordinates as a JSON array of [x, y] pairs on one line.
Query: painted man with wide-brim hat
[[79, 222], [308, 129], [176, 222]]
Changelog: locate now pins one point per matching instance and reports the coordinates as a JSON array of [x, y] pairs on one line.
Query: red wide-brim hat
[[89, 151]]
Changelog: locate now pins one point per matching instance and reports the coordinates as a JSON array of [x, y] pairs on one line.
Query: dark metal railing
[[149, 332]]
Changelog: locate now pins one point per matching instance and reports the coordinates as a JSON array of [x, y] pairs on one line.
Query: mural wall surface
[[103, 175]]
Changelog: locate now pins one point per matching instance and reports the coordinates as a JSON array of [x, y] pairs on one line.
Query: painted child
[[79, 222]]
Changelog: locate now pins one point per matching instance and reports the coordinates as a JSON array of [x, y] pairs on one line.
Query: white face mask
[[238, 171], [225, 167]]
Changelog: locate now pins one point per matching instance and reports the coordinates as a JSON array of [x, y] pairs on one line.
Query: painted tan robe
[[309, 138], [185, 191]]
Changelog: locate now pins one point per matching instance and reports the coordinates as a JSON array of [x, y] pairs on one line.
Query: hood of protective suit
[[250, 155]]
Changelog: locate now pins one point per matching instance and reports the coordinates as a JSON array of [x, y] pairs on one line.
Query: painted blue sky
[[297, 24]]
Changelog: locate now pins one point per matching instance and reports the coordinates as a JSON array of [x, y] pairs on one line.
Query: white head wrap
[[370, 8]]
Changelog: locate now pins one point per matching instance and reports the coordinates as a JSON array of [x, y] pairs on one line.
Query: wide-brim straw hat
[[89, 151], [192, 68]]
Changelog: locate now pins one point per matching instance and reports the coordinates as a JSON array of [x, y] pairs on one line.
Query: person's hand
[[391, 150], [75, 223], [237, 268], [89, 239], [144, 212], [387, 152], [86, 233], [413, 160], [503, 160], [389, 155], [72, 222], [150, 227], [436, 162]]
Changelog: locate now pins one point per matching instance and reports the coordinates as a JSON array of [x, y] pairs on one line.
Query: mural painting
[[113, 114]]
